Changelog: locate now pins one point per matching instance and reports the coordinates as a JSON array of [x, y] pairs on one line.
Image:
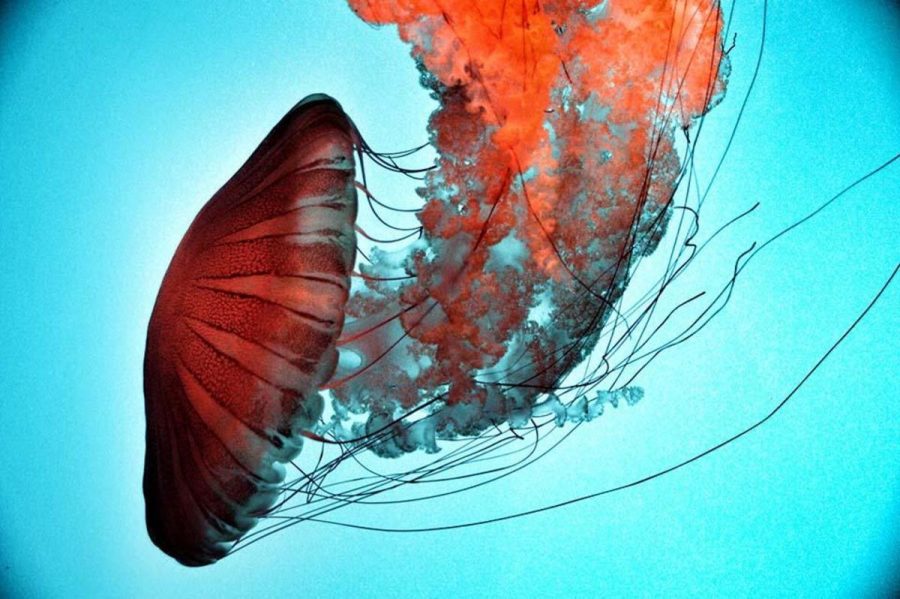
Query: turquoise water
[[116, 124]]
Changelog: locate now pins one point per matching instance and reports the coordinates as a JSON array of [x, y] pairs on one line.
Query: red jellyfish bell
[[243, 334]]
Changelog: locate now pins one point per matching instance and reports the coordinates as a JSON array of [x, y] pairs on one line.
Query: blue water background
[[117, 122]]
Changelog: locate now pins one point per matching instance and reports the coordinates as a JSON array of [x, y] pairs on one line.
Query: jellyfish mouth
[[556, 165]]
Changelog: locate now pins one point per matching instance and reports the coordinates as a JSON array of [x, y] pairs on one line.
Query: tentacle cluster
[[556, 167]]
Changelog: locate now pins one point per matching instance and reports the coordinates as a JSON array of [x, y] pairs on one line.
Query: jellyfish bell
[[243, 334]]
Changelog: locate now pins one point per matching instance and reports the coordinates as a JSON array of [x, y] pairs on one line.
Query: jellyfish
[[492, 320]]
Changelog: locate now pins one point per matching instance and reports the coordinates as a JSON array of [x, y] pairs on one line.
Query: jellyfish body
[[243, 334], [556, 168]]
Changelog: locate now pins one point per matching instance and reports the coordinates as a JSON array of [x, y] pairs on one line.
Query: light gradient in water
[[119, 122]]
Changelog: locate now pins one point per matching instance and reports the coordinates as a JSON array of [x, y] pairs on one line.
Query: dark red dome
[[243, 334]]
